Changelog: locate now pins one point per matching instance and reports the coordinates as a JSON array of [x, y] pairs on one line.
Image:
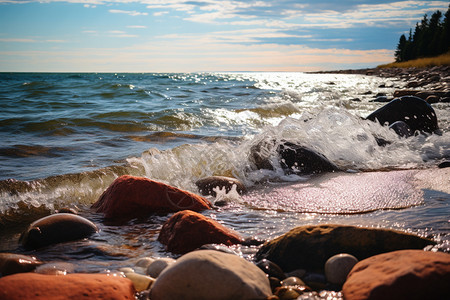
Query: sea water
[[65, 137]]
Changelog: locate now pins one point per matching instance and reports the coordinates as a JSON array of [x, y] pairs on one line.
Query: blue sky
[[204, 35]]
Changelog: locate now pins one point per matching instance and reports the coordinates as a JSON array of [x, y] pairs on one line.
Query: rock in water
[[209, 274], [187, 230], [11, 263], [406, 274], [309, 247], [338, 266], [301, 160], [208, 185], [415, 112], [130, 196], [57, 228], [73, 286]]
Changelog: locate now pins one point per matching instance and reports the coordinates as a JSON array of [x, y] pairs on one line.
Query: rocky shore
[[325, 261], [308, 262], [431, 84]]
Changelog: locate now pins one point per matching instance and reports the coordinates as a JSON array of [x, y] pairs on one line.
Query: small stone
[[158, 265], [271, 269], [144, 262], [140, 282], [55, 268], [287, 293], [11, 263], [292, 281], [126, 270], [338, 266]]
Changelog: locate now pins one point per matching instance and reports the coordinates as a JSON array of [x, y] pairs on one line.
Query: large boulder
[[130, 196], [406, 274], [11, 263], [73, 286], [187, 230], [415, 112], [56, 228], [209, 274], [309, 247]]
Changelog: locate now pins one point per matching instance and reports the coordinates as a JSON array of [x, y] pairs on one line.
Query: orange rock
[[73, 286], [131, 196], [404, 274], [187, 230]]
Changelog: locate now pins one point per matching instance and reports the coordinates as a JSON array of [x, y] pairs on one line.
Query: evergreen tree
[[431, 37], [401, 49]]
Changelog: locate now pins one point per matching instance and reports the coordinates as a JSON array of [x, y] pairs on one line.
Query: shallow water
[[66, 137]]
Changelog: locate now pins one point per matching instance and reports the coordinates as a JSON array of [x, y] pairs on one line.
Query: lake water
[[65, 137]]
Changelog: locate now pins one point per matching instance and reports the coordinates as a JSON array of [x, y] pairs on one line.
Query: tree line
[[431, 37]]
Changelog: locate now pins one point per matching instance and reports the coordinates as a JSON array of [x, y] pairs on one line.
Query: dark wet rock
[[432, 99], [130, 196], [381, 99], [72, 286], [407, 274], [444, 164], [445, 100], [210, 274], [338, 266], [208, 185], [187, 230], [297, 159], [309, 247], [293, 158], [401, 128], [415, 112], [271, 269], [11, 263], [67, 210], [56, 228]]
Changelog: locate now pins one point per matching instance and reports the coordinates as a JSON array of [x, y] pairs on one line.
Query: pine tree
[[401, 49]]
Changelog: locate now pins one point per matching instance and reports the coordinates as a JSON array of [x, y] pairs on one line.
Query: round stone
[[338, 266], [156, 267], [144, 262], [292, 281]]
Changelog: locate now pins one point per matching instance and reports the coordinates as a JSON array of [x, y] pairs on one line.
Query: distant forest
[[431, 37]]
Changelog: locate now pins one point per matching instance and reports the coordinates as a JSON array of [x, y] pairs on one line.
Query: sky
[[203, 35]]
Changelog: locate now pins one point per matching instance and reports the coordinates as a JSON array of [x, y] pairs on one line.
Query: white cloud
[[17, 40], [128, 12], [137, 26], [160, 13]]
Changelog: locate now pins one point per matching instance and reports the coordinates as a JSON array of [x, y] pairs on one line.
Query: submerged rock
[[187, 230], [209, 274], [406, 274], [414, 111], [130, 196], [11, 263], [56, 228], [208, 185], [73, 286], [309, 247]]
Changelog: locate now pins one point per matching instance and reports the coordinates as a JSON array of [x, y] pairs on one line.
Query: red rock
[[187, 230], [130, 195], [74, 286], [404, 274]]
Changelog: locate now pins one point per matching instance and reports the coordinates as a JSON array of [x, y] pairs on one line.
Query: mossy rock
[[309, 247]]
